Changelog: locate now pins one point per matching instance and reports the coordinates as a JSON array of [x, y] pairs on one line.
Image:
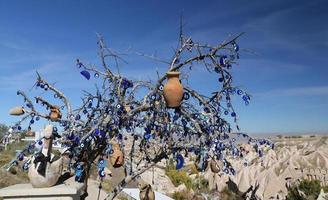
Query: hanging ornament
[[180, 162], [86, 74], [173, 90], [19, 110]]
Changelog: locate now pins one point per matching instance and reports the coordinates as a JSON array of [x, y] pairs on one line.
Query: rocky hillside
[[293, 159]]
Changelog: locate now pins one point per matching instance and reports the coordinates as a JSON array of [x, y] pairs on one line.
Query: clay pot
[[214, 167], [117, 157], [173, 90], [55, 113], [146, 192], [19, 110]]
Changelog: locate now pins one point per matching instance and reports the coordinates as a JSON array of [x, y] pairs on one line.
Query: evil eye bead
[[40, 142], [240, 92], [77, 117], [221, 79], [236, 47], [96, 75], [118, 106], [85, 74], [186, 96], [21, 157], [161, 87], [226, 112], [233, 114], [25, 166], [217, 69], [32, 121], [46, 86], [102, 173], [223, 60], [180, 162]]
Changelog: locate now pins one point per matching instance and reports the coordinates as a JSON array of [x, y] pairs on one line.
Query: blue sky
[[285, 67]]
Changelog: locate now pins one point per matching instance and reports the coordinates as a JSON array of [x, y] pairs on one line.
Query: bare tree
[[145, 129]]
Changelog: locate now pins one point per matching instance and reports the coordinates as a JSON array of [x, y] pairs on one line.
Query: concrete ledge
[[67, 191]]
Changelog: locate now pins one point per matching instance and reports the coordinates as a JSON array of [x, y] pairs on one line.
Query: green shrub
[[200, 185], [184, 195], [179, 177], [311, 190]]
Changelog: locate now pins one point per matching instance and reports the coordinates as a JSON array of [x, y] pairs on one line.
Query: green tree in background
[[3, 130]]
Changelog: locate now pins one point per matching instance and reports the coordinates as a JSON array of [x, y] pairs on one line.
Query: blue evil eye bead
[[216, 69], [14, 163], [240, 92], [19, 127], [233, 114], [161, 87], [55, 96], [96, 75], [101, 164], [147, 136], [186, 96], [25, 166], [233, 172], [226, 112], [221, 79], [46, 86], [32, 121], [97, 131], [153, 97], [21, 157], [55, 129], [246, 98], [223, 60], [235, 47], [180, 162], [71, 136], [102, 173], [40, 142], [85, 74], [77, 117]]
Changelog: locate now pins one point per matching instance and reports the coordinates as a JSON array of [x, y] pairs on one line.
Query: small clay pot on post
[[173, 90], [215, 168], [19, 110], [55, 113], [117, 158]]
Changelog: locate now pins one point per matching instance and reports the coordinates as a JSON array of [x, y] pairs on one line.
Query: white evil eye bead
[[96, 75], [118, 106], [161, 87]]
